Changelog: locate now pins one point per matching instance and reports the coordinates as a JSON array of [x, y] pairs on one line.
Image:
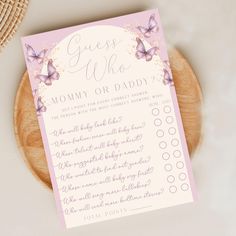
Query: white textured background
[[205, 32]]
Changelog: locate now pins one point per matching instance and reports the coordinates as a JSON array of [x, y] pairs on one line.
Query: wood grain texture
[[27, 129]]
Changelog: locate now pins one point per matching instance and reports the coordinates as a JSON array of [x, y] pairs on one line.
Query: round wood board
[[27, 129]]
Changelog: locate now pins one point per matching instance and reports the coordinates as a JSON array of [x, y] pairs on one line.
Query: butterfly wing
[[40, 56], [45, 79], [140, 49], [144, 31], [167, 78], [52, 72], [54, 76], [31, 55], [152, 24], [152, 27], [150, 53], [40, 106], [43, 109]]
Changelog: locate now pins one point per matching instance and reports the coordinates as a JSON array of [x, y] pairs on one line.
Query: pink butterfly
[[40, 106], [167, 78], [52, 74], [143, 53], [151, 28], [32, 55]]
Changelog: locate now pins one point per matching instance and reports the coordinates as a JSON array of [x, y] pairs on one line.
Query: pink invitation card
[[109, 118]]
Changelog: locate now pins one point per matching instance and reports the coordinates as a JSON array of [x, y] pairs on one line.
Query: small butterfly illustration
[[33, 56], [151, 28], [40, 106], [51, 75], [143, 53], [167, 78]]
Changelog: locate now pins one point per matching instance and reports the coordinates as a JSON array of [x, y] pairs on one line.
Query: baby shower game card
[[109, 118]]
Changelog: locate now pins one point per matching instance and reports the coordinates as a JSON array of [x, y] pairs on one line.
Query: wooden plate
[[28, 134]]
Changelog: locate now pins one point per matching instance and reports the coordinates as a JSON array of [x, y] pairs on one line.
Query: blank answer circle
[[182, 176], [165, 156], [155, 111], [160, 133], [169, 119], [180, 165], [171, 179], [172, 189], [162, 145], [167, 109], [171, 130], [157, 122], [175, 142], [177, 154], [168, 167], [184, 187]]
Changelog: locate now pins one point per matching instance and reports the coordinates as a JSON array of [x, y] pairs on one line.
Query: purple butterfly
[[143, 53], [167, 78], [52, 74], [32, 55], [151, 28], [40, 106]]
